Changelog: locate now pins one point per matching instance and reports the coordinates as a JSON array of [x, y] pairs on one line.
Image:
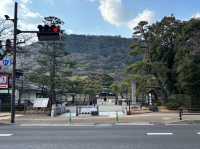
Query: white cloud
[[28, 19], [6, 7], [112, 11], [32, 14], [69, 31], [196, 16], [146, 15]]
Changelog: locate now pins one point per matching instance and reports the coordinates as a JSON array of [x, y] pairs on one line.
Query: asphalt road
[[100, 137]]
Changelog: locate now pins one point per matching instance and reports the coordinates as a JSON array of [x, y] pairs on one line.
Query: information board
[[41, 103]]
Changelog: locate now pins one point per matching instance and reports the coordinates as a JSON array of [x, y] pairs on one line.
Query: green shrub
[[158, 103], [177, 101]]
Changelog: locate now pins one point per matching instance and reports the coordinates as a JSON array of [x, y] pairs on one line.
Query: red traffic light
[[55, 29]]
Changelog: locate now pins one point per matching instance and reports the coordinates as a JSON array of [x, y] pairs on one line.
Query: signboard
[[3, 81], [41, 103], [87, 109]]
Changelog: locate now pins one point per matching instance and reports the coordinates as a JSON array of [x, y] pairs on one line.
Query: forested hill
[[92, 54], [101, 54], [100, 44]]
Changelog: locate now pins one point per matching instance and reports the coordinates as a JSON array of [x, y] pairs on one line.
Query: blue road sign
[[7, 62]]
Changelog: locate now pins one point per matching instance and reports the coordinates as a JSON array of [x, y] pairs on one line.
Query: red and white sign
[[3, 81]]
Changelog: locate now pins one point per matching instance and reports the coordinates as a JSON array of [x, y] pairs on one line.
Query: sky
[[99, 17]]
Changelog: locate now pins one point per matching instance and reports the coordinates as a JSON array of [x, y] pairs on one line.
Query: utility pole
[[52, 35], [14, 65], [52, 74]]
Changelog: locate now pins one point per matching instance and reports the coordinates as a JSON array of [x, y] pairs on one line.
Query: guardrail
[[188, 112]]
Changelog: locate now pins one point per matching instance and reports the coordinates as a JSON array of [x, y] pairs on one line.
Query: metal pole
[[70, 117], [180, 113], [14, 66], [129, 107]]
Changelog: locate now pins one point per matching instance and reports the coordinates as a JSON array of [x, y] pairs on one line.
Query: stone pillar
[[53, 110], [133, 92]]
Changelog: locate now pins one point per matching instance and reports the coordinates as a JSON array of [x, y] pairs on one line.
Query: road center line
[[159, 134], [6, 135]]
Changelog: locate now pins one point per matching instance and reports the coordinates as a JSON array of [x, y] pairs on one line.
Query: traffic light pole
[[14, 65], [16, 32]]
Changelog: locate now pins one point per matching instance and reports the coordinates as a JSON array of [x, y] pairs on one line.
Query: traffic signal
[[48, 33]]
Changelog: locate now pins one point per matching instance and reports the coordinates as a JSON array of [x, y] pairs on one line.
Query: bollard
[[117, 117], [77, 111], [98, 110], [180, 113], [24, 108], [70, 117]]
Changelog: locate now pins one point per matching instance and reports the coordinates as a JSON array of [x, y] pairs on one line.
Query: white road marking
[[177, 124], [134, 124], [159, 133], [6, 135], [198, 133]]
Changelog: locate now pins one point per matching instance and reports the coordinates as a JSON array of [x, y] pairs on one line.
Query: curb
[[86, 125]]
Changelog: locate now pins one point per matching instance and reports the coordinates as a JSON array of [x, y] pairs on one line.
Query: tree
[[53, 68], [142, 70], [116, 90], [5, 29], [173, 60], [188, 62], [158, 67]]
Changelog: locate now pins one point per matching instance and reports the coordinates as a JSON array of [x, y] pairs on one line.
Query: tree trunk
[[84, 99]]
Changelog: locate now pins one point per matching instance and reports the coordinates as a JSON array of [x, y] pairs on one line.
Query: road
[[100, 137]]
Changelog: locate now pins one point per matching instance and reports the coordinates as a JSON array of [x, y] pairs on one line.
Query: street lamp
[[7, 17]]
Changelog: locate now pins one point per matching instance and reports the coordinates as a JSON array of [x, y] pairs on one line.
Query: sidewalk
[[5, 117], [148, 118], [164, 118]]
